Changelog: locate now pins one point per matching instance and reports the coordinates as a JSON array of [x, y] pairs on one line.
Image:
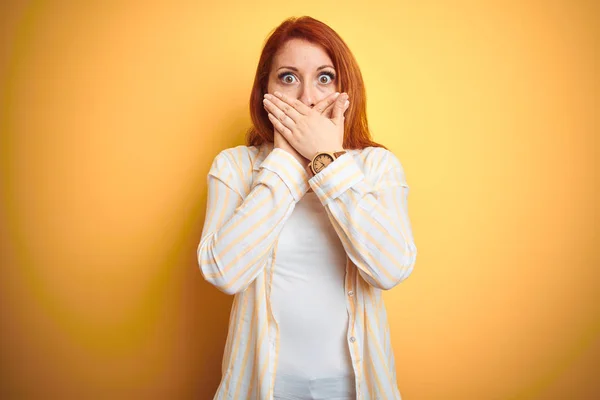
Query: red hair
[[349, 80]]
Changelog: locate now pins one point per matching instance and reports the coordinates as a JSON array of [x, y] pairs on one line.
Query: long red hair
[[349, 80]]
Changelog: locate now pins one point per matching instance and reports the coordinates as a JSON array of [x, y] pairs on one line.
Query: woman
[[306, 226]]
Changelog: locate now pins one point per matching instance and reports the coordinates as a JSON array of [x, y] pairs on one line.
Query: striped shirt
[[252, 190]]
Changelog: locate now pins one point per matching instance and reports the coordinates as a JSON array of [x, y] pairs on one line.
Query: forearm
[[378, 240], [371, 219], [234, 247]]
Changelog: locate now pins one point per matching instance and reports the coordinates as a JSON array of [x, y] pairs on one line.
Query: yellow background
[[111, 114]]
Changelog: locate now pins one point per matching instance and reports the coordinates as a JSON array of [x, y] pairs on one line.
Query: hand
[[280, 143], [309, 130], [325, 106]]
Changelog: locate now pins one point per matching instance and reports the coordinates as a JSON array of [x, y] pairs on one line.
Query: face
[[303, 71]]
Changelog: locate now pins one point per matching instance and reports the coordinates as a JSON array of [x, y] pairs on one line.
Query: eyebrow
[[296, 69]]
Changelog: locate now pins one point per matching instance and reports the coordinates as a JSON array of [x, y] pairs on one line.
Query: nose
[[309, 94]]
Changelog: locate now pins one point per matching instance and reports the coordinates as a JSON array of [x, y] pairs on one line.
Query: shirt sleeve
[[239, 232], [370, 215]]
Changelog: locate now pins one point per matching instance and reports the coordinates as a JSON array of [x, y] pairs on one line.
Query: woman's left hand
[[305, 128]]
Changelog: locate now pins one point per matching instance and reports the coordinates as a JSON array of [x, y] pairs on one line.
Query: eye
[[329, 77], [285, 76], [325, 78]]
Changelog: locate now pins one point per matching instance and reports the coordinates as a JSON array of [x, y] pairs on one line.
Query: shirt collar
[[263, 151]]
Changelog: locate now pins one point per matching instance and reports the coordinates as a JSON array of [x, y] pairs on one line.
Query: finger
[[284, 130], [338, 109], [325, 103], [284, 118], [329, 110], [281, 106], [299, 106]]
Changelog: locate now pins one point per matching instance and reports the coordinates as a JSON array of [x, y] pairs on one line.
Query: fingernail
[[346, 103], [336, 95], [277, 94]]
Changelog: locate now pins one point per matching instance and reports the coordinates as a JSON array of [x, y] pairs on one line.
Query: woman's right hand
[[280, 142]]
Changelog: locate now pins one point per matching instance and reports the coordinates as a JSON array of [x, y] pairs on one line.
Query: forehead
[[302, 55]]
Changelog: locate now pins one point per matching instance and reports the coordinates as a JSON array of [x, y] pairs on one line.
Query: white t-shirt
[[308, 300]]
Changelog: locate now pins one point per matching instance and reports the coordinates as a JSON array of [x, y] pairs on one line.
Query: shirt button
[[352, 339], [350, 293]]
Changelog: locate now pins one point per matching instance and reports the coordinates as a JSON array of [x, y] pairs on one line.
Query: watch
[[322, 160]]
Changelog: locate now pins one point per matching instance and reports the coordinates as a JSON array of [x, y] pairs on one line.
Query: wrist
[[295, 154], [301, 160], [322, 160]]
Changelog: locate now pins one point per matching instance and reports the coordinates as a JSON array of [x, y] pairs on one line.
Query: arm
[[238, 232], [370, 217]]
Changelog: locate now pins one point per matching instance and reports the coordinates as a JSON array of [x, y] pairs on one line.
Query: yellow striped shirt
[[252, 190]]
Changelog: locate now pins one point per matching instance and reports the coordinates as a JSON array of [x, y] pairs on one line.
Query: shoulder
[[234, 160], [233, 166], [376, 159], [239, 154], [379, 165]]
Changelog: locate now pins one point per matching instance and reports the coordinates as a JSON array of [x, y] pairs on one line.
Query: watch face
[[321, 161]]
